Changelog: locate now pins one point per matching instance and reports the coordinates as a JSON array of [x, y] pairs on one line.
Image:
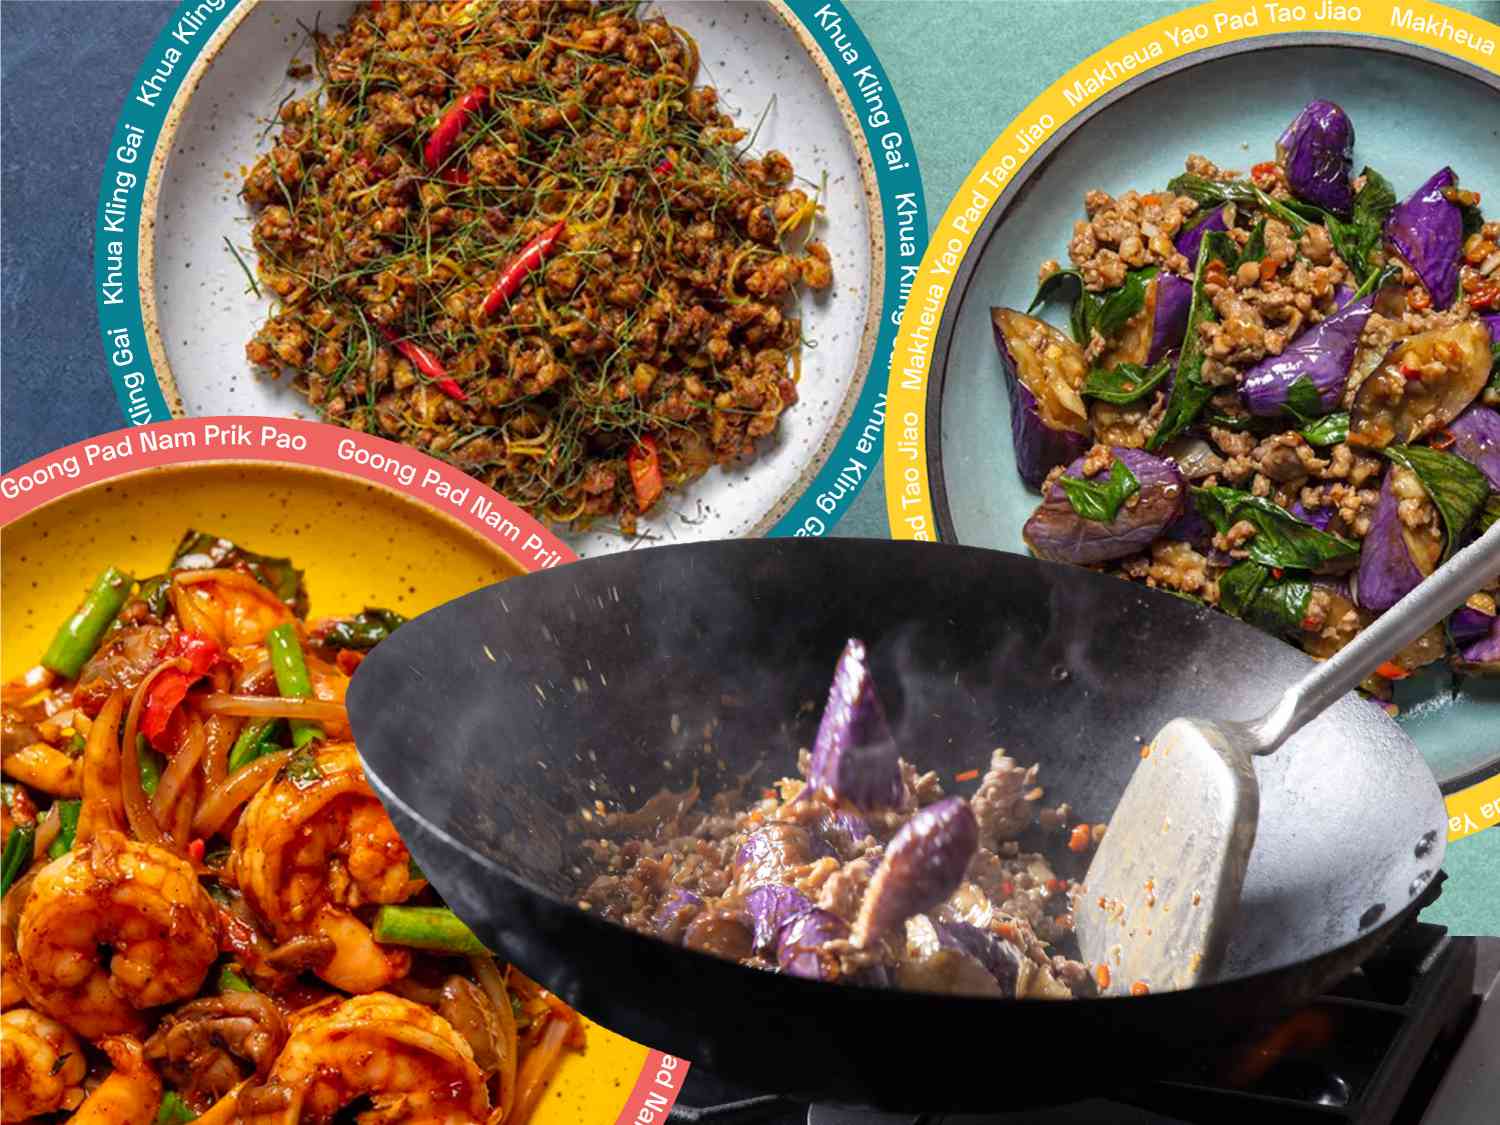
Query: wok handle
[[1438, 595]]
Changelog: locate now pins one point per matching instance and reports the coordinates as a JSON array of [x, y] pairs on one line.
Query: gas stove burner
[[1387, 1046]]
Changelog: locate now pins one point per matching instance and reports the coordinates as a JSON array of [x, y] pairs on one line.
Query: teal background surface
[[962, 71]]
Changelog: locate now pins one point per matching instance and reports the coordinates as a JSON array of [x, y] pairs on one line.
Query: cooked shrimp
[[408, 1061], [131, 1094], [139, 900], [44, 767], [313, 845], [42, 1064], [227, 605]]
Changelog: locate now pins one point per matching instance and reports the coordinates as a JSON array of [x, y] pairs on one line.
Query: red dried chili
[[645, 472], [428, 364], [528, 259], [451, 124], [663, 166]]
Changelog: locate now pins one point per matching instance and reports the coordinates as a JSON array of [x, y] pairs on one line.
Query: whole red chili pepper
[[427, 363], [451, 124], [528, 259]]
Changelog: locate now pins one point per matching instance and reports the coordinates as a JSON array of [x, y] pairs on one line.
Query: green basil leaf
[[1491, 514], [1118, 306], [1281, 540], [1096, 500], [1125, 382], [1303, 401], [1331, 429], [1190, 394], [1248, 591], [1359, 236], [200, 551], [174, 1111], [1236, 423], [1255, 249], [361, 632], [1238, 586], [1373, 204], [1473, 219], [1207, 191], [1064, 285], [1456, 488], [302, 769], [231, 981]]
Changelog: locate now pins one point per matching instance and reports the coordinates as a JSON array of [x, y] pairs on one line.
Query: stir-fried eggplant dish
[[1277, 393], [861, 870], [517, 236], [207, 913]]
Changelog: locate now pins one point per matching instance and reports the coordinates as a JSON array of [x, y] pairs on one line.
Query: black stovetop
[[1411, 1038]]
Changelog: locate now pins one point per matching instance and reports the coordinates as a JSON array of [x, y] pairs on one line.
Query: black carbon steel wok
[[486, 724]]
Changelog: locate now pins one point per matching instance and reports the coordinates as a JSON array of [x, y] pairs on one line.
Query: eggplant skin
[[1172, 301], [1476, 438], [1044, 371], [1317, 151], [1057, 533], [1191, 239], [1428, 231], [1388, 568], [1483, 656], [1453, 364], [1322, 355]]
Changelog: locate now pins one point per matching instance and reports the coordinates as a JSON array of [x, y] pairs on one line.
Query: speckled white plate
[[1414, 110], [199, 314]]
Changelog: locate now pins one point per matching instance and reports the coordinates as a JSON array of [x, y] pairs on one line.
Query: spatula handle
[[1437, 596]]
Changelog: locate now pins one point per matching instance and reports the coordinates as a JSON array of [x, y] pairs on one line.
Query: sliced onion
[[272, 707], [143, 824], [221, 803], [47, 829], [493, 983], [175, 777]]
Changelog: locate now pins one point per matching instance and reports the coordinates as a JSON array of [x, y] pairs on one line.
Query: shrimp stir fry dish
[[206, 911], [520, 237]]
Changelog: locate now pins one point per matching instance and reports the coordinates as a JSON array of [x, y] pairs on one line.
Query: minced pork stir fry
[[206, 911], [1277, 393], [516, 235], [861, 871]]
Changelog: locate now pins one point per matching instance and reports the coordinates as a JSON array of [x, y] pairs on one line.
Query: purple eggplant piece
[[1173, 302], [923, 864], [1343, 295], [771, 907], [1391, 561], [1476, 438], [1056, 532], [1428, 231], [1048, 419], [1493, 324], [1317, 151], [724, 933], [1001, 959], [844, 832], [1190, 527], [1319, 517], [1454, 363], [854, 759], [1189, 240], [1468, 625], [799, 946], [1483, 656], [1322, 356], [674, 914], [770, 851]]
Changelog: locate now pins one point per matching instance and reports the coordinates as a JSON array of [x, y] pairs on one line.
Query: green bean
[[150, 765], [67, 819], [79, 635], [256, 739], [231, 981], [292, 679], [426, 927], [17, 854], [174, 1111]]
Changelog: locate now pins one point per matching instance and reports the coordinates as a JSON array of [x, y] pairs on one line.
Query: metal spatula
[[1159, 901]]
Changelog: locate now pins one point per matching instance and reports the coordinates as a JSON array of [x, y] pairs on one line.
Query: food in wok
[[1279, 393], [519, 237], [861, 871], [206, 910]]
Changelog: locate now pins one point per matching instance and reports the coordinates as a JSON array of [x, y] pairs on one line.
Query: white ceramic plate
[[751, 51]]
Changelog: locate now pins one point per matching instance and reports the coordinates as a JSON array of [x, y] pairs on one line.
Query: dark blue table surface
[[64, 72]]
